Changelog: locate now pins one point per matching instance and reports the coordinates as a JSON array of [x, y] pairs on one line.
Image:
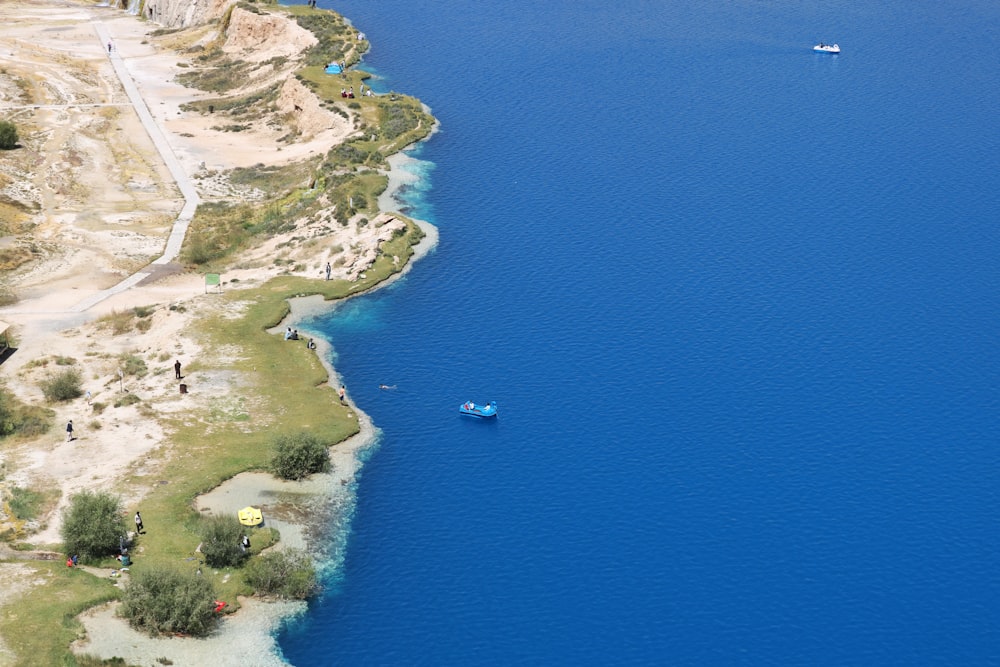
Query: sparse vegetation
[[285, 574], [126, 399], [132, 364], [25, 503], [118, 321]]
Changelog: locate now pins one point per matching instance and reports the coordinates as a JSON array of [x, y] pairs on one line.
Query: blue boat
[[481, 411]]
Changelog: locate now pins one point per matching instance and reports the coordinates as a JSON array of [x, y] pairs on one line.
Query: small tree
[[220, 541], [285, 573], [63, 386], [8, 135], [93, 525], [168, 601], [298, 456]]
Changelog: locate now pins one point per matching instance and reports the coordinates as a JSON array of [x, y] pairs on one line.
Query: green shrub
[[63, 386], [8, 135], [298, 456], [220, 541], [286, 574], [93, 525], [168, 601]]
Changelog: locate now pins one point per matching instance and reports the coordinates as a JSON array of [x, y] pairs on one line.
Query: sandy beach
[[90, 201]]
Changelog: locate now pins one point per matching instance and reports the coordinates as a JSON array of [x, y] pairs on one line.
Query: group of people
[[293, 334], [349, 92]]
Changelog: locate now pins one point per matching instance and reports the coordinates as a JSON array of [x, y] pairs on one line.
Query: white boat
[[827, 48]]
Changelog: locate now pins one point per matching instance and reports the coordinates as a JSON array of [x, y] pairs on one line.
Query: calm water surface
[[738, 304]]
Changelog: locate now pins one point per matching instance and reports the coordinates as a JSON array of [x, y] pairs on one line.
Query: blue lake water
[[738, 303]]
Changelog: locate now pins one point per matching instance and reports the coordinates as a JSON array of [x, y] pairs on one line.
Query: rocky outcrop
[[184, 13], [304, 111], [257, 37]]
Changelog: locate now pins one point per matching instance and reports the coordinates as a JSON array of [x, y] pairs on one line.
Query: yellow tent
[[250, 516]]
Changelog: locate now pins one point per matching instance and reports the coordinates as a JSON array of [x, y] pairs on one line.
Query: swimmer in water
[[385, 386]]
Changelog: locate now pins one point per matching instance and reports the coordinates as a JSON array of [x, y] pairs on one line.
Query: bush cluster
[[93, 525], [220, 541], [285, 574], [63, 386], [298, 456], [168, 601]]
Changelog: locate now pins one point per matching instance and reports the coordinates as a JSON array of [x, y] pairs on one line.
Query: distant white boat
[[827, 48]]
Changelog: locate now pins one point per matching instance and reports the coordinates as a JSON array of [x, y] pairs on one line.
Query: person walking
[[328, 270], [138, 523], [177, 370], [343, 394], [69, 431]]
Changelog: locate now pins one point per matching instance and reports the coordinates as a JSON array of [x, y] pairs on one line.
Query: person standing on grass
[[343, 394], [138, 523], [328, 270]]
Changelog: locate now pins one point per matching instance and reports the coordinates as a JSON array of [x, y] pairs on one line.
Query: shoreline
[[320, 507], [307, 514]]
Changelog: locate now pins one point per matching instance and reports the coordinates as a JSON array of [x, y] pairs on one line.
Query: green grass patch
[[275, 179], [26, 504], [41, 626]]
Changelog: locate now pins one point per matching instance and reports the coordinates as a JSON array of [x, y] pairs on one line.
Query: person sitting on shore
[[288, 333], [311, 344], [295, 334]]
